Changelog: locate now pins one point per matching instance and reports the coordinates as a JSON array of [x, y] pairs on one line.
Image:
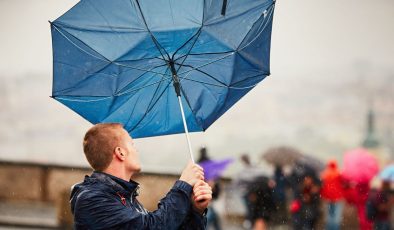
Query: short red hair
[[99, 144]]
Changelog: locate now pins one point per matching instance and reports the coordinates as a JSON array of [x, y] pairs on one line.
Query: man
[[107, 199]]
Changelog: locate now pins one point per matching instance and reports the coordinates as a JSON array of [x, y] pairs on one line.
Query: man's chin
[[137, 169]]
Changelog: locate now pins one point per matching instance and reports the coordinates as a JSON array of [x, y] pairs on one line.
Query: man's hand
[[192, 174], [202, 196]]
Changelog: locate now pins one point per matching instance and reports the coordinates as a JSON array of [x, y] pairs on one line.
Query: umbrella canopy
[[359, 166], [214, 169], [281, 155], [387, 174], [311, 162], [127, 61]]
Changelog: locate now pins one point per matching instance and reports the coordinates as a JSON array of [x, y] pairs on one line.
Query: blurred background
[[332, 77]]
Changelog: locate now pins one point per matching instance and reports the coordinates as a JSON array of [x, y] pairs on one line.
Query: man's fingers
[[202, 190], [206, 197], [198, 167], [198, 171], [199, 184]]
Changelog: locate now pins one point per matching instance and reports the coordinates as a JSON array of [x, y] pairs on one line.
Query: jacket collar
[[119, 185]]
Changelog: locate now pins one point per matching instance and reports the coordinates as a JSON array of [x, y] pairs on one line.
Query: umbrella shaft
[[177, 87], [175, 79], [186, 129]]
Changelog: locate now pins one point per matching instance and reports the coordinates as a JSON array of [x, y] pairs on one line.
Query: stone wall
[[51, 184], [20, 182], [35, 182]]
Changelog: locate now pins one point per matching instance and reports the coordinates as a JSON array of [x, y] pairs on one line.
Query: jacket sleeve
[[194, 221], [105, 211]]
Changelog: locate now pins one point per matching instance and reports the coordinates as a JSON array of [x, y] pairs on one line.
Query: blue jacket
[[103, 201]]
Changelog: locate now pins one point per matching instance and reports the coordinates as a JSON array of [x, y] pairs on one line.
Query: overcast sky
[[328, 59]]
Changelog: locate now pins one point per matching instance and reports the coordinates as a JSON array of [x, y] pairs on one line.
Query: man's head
[[109, 144], [245, 159]]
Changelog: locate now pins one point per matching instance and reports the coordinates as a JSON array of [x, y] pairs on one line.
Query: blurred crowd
[[305, 193]]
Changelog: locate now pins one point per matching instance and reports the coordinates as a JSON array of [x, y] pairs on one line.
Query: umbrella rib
[[100, 28], [135, 68], [183, 61], [172, 15], [271, 11], [150, 105], [154, 39], [90, 75], [184, 44], [157, 44], [149, 109], [132, 112], [104, 58], [99, 98], [208, 53], [211, 62], [245, 79], [142, 87], [218, 19], [225, 86], [203, 72], [139, 77]]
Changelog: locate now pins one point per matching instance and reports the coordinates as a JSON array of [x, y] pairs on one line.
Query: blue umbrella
[[147, 63], [387, 174]]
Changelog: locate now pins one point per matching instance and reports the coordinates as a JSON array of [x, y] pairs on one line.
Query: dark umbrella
[[148, 63], [311, 162], [282, 155]]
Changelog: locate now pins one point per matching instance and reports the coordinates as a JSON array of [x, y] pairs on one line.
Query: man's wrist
[[201, 212], [184, 186]]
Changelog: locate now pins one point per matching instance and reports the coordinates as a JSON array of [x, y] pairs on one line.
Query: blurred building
[[373, 144]]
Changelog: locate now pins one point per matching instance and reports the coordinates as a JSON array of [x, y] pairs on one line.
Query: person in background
[[213, 218], [260, 199], [356, 194], [108, 198], [242, 182], [306, 208], [331, 191], [279, 195], [203, 155], [379, 207]]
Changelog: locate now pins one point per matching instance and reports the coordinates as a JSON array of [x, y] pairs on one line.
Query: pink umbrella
[[359, 166]]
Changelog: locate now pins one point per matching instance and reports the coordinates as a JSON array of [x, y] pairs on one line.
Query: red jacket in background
[[331, 183]]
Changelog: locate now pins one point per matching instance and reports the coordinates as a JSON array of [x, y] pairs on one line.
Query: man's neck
[[122, 174]]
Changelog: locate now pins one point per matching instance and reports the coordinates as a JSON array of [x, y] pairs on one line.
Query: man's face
[[132, 159]]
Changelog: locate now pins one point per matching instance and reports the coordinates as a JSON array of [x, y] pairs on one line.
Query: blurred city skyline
[[331, 61]]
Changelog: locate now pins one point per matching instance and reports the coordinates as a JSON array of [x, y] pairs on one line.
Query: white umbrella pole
[[186, 129]]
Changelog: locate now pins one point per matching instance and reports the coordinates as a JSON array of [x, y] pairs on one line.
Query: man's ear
[[120, 153]]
